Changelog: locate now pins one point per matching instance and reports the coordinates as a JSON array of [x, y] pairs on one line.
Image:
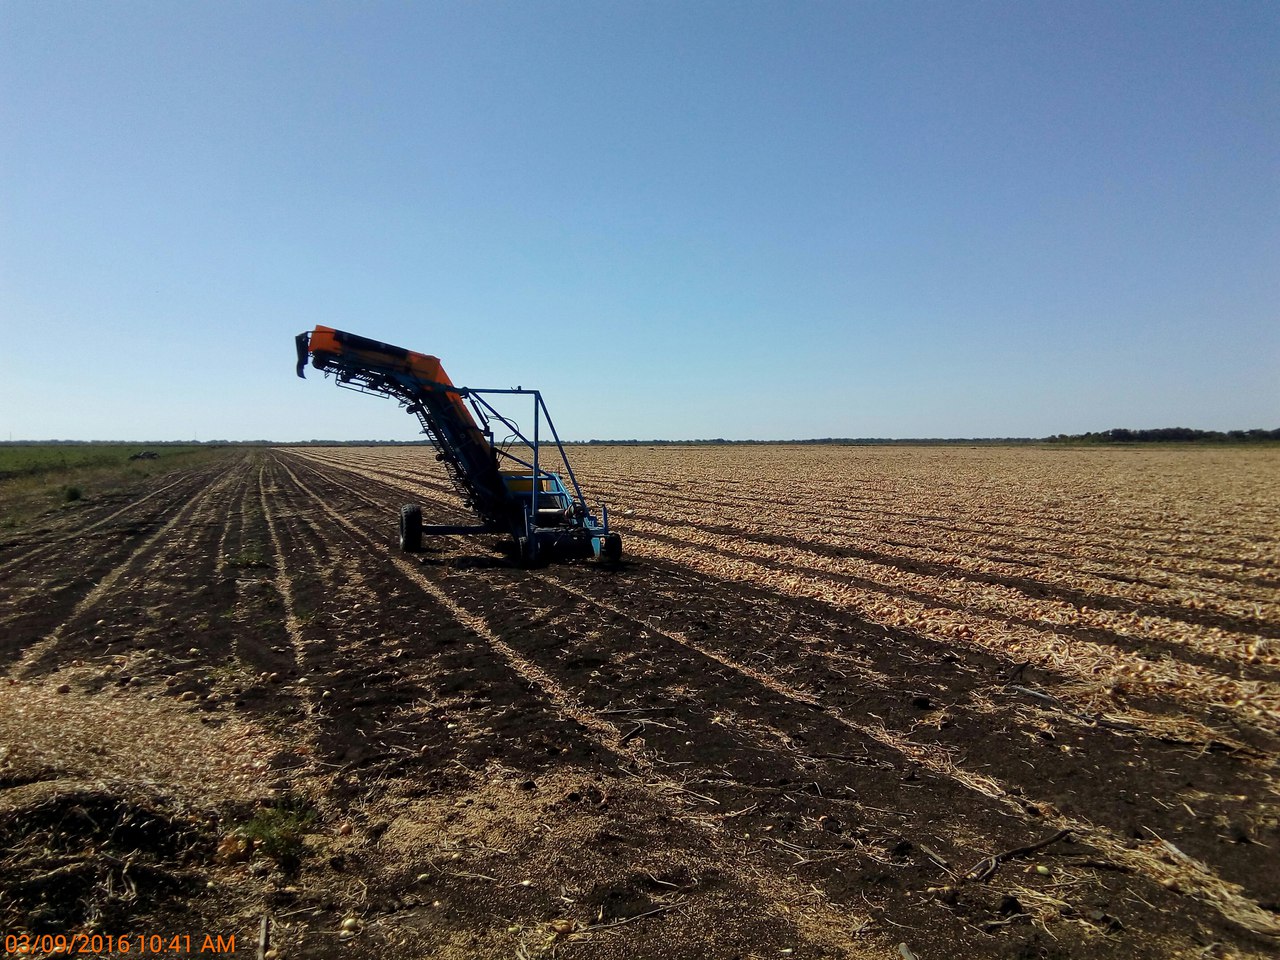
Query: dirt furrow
[[283, 584], [942, 761], [1033, 540], [403, 683], [1021, 776], [1201, 631], [1252, 703], [937, 761], [46, 539], [233, 534], [437, 490], [1083, 585], [605, 733], [59, 614], [45, 582], [864, 731], [614, 754], [892, 521], [1198, 636], [1125, 701]]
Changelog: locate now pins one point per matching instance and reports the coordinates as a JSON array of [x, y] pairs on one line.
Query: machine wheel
[[524, 554], [411, 528], [611, 549], [530, 555]]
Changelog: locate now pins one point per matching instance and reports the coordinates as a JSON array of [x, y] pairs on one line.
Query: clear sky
[[677, 219]]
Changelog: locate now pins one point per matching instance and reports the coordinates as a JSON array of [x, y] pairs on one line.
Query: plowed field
[[837, 702]]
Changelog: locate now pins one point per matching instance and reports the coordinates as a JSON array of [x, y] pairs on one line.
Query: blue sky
[[677, 219]]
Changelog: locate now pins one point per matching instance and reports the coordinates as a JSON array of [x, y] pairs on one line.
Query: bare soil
[[807, 717]]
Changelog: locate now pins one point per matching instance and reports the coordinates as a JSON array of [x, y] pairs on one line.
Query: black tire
[[531, 554], [410, 528], [611, 549], [525, 551]]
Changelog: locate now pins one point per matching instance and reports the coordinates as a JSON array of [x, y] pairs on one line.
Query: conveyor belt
[[419, 382]]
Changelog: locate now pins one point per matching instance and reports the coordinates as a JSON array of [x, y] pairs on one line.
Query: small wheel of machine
[[532, 554], [611, 549], [524, 551], [410, 528]]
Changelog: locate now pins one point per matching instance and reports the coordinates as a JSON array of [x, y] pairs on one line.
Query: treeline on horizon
[[1169, 435], [1118, 435]]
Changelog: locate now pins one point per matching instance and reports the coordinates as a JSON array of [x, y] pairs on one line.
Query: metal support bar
[[560, 447], [537, 477], [445, 529]]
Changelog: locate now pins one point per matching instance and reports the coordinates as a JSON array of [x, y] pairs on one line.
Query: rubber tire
[[611, 549], [410, 528], [522, 552]]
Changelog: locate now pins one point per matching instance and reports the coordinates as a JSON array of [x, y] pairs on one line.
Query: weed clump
[[277, 832], [252, 557]]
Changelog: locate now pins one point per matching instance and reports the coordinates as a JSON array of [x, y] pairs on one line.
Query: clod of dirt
[[80, 853], [1010, 904], [949, 895]]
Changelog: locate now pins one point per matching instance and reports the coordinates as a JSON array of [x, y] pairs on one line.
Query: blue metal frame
[[584, 528]]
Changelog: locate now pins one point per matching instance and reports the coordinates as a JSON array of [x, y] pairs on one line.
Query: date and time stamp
[[109, 945]]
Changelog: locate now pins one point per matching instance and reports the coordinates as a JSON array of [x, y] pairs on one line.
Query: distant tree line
[[1118, 435], [1169, 435]]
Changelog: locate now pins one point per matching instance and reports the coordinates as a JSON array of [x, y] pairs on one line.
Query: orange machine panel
[[335, 343], [326, 340]]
